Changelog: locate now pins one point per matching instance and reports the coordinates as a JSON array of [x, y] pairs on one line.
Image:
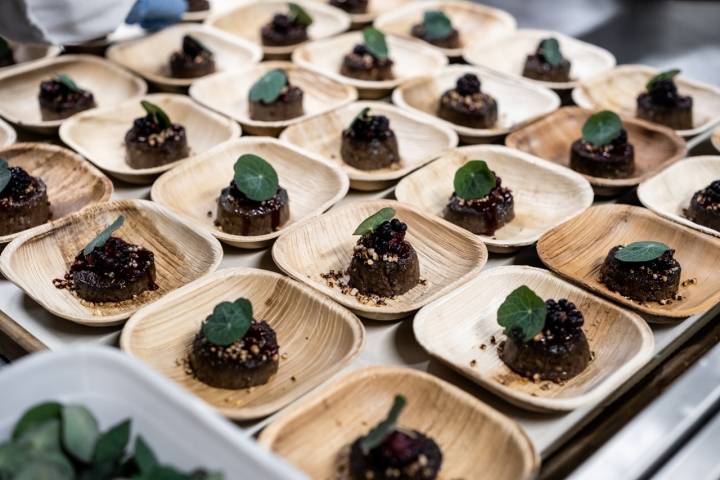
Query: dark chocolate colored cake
[[467, 105]]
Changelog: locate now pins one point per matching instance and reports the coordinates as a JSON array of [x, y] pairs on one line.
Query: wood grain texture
[[519, 102], [420, 140], [473, 437], [448, 255], [7, 134], [551, 138], [150, 56], [413, 58], [545, 194], [618, 89], [317, 337], [716, 139], [669, 192], [72, 183], [183, 253], [99, 134], [24, 53], [508, 54], [19, 87], [227, 93], [193, 188], [577, 249], [621, 341], [375, 9], [476, 23], [246, 20]]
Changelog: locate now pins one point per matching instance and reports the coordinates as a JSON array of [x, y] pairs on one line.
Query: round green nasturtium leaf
[[300, 15], [158, 114], [522, 314], [638, 252], [474, 180], [602, 128], [255, 178], [437, 25], [551, 51], [268, 88], [229, 322], [378, 434], [666, 75], [374, 40], [375, 220], [79, 432]]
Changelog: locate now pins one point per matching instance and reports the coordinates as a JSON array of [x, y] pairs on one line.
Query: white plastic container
[[180, 428]]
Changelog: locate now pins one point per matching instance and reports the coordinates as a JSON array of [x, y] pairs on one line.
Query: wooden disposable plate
[[413, 58], [375, 9], [24, 53], [519, 102], [617, 90], [477, 24], [551, 138], [621, 341], [246, 21], [193, 188], [150, 56], [227, 93], [669, 192], [508, 54], [545, 194], [317, 337], [99, 134], [419, 140], [19, 87], [183, 253], [577, 249], [448, 255], [7, 134], [716, 139], [72, 183], [314, 434]]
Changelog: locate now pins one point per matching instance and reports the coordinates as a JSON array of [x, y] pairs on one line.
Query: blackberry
[[389, 237], [713, 191], [372, 127], [468, 84], [20, 182], [281, 23], [361, 50], [664, 92], [563, 318], [621, 140], [146, 126], [397, 450]]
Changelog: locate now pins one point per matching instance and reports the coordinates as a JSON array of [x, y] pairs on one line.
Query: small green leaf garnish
[[437, 25], [638, 252], [110, 446], [269, 87], [67, 81], [378, 434], [5, 174], [144, 456], [363, 116], [255, 178], [551, 51], [375, 220], [103, 237], [158, 114], [375, 42], [299, 15], [666, 75], [602, 128], [37, 415], [522, 314], [474, 180], [79, 432], [229, 322], [5, 49]]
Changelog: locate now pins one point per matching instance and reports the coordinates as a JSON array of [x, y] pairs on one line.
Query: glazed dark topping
[[563, 320], [155, 124], [662, 88], [713, 191], [61, 89], [253, 349], [397, 450], [388, 238], [193, 48], [368, 127], [468, 84], [20, 187], [282, 23], [116, 260]]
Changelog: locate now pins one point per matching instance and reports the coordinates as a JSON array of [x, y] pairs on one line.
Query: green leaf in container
[[111, 445], [300, 15], [68, 82], [474, 180], [229, 322], [666, 75], [437, 25], [79, 432], [255, 177], [638, 252], [375, 220], [375, 42], [145, 458], [104, 236], [378, 434], [268, 88], [36, 415], [551, 51], [158, 114], [602, 128], [522, 314]]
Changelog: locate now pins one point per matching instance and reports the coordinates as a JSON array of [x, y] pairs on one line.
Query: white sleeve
[[61, 21]]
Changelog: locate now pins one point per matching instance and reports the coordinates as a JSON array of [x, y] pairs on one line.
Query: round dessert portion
[[351, 6], [545, 65], [383, 262], [23, 202], [705, 206], [484, 215], [369, 143], [402, 455], [283, 30], [559, 352], [193, 61], [197, 5], [613, 160], [239, 215], [437, 29], [661, 103], [248, 361], [362, 64], [655, 280], [113, 272], [154, 140], [61, 98], [287, 105], [467, 105]]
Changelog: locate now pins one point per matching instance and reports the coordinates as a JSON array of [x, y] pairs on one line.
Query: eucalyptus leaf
[[45, 469], [161, 472], [79, 432], [522, 314], [145, 458], [375, 220], [602, 128], [374, 40], [229, 322], [437, 25], [638, 252], [299, 15], [68, 82], [255, 178], [36, 415], [12, 459], [41, 437], [376, 436], [474, 180], [5, 174], [551, 51], [666, 75], [269, 87], [158, 114], [111, 445], [104, 236]]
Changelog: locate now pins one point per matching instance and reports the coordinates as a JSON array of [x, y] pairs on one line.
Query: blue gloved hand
[[156, 14]]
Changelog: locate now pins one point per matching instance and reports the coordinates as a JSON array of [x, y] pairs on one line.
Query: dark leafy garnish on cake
[[603, 150], [369, 143]]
